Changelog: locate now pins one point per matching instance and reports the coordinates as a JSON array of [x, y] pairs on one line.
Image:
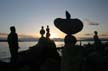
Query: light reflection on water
[[4, 49]]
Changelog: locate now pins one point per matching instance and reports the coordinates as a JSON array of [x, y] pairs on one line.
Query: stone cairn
[[47, 32], [69, 26], [42, 31]]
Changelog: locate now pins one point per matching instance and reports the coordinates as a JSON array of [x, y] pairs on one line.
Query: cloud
[[25, 36], [19, 35], [93, 24], [104, 35], [87, 34], [3, 34], [90, 22]]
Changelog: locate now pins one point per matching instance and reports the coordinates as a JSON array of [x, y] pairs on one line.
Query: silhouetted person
[[97, 41], [13, 44]]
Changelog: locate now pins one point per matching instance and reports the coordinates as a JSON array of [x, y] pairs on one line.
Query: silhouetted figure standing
[[13, 44], [96, 39]]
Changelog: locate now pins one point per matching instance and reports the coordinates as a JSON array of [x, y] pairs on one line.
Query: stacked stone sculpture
[[68, 26]]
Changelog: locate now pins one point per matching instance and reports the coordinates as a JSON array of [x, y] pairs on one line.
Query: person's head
[[70, 40], [95, 32], [12, 29]]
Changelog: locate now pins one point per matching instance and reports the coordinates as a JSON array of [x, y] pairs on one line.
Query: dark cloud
[[93, 24], [87, 34], [90, 22]]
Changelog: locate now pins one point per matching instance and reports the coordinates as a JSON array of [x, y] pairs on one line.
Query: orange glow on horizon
[[56, 35]]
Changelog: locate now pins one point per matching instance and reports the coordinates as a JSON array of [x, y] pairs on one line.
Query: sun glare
[[53, 35]]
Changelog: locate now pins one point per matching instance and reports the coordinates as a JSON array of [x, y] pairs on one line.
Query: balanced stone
[[68, 26]]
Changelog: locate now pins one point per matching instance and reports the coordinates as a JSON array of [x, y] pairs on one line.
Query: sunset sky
[[29, 15]]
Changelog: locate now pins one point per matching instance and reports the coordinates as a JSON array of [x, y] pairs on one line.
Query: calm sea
[[4, 49]]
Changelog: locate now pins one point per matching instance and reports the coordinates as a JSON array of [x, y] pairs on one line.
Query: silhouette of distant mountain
[[2, 39], [27, 38], [91, 39], [58, 39], [22, 38]]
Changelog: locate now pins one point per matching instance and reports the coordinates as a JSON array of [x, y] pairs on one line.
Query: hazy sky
[[29, 15]]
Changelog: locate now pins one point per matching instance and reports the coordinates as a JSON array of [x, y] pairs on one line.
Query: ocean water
[[5, 53]]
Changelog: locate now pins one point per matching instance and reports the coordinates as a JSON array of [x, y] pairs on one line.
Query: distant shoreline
[[54, 40]]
